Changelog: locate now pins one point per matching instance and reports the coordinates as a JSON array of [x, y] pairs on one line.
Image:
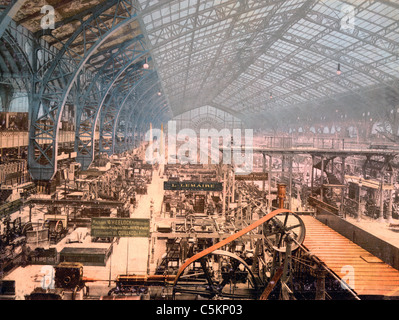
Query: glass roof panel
[[234, 52]]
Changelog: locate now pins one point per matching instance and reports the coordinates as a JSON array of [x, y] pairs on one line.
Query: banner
[[256, 176], [120, 227], [193, 186]]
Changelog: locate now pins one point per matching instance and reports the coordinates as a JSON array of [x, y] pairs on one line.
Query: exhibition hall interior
[[199, 150]]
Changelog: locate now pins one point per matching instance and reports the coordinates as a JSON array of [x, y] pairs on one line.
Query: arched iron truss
[[128, 105], [269, 63], [61, 75], [13, 60], [141, 112], [100, 99]]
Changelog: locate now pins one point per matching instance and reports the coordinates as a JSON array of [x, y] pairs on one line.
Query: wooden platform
[[366, 274]]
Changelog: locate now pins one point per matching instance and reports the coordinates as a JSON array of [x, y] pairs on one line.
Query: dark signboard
[[193, 186], [120, 227], [256, 176]]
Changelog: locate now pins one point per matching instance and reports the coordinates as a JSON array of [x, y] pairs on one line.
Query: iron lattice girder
[[50, 91], [267, 20], [92, 100], [206, 18], [147, 86], [144, 96], [123, 132], [370, 69], [145, 118], [375, 39], [276, 68], [231, 74], [152, 117], [14, 66], [117, 97], [145, 82], [144, 99], [113, 104], [112, 109], [272, 15], [321, 87], [108, 110], [8, 14]]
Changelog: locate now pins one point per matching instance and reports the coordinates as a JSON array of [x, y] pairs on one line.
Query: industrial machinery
[[12, 244], [65, 282], [69, 275], [57, 226], [240, 273], [139, 285]]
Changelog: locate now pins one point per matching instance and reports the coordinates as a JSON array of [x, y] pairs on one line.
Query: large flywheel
[[284, 226], [218, 275]]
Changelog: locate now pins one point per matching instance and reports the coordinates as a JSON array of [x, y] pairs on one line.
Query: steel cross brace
[[143, 82], [131, 125], [133, 109], [114, 105], [8, 14], [126, 119], [92, 101], [106, 106], [53, 89]]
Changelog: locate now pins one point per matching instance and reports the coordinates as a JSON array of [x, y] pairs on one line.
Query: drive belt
[[228, 240]]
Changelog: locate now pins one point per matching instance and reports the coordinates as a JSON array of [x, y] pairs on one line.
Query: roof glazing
[[250, 56]]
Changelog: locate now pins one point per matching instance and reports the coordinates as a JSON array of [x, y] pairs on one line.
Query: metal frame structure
[[59, 79], [236, 54], [248, 58], [101, 97]]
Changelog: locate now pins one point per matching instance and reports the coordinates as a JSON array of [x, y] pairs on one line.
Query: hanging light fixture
[[159, 93], [339, 69], [271, 96], [146, 65]]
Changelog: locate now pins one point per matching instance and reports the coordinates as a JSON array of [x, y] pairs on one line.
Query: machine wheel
[[218, 275], [282, 226]]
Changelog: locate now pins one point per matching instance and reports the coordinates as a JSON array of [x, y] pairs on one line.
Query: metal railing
[[288, 142], [15, 139]]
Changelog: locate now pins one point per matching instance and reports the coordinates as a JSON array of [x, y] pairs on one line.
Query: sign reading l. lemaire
[[120, 227], [193, 186]]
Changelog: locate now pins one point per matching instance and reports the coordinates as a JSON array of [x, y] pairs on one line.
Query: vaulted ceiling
[[258, 60]]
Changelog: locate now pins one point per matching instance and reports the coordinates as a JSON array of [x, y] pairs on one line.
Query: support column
[[264, 170], [282, 163], [312, 177], [343, 213], [291, 157], [322, 179], [240, 206], [320, 284], [224, 194], [359, 213], [233, 186], [269, 178], [381, 217], [389, 213]]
